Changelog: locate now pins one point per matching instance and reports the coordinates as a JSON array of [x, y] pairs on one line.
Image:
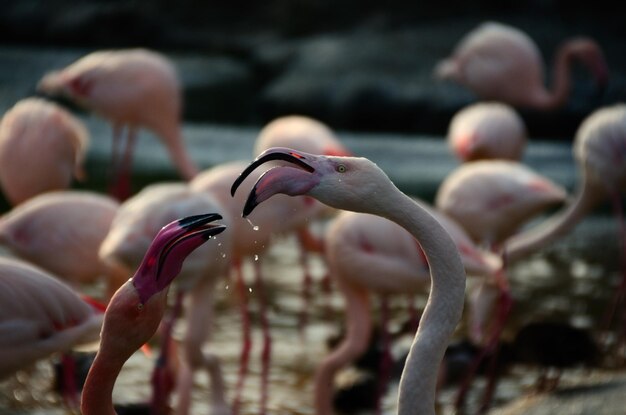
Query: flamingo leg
[[266, 352], [505, 304], [200, 318], [162, 377], [114, 167], [307, 283], [247, 338], [123, 181], [71, 395], [618, 297], [384, 370]]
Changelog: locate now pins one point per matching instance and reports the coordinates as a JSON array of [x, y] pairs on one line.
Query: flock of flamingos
[[379, 241]]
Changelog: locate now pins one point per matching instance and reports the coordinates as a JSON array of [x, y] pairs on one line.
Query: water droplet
[[227, 287], [250, 289], [254, 227], [256, 257], [223, 255]]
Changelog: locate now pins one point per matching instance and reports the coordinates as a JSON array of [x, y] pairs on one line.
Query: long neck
[[97, 397], [528, 242], [358, 332], [443, 309], [561, 83]]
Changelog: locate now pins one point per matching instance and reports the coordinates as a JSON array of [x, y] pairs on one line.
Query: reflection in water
[[571, 282]]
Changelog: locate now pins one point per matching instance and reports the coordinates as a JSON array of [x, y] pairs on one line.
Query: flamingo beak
[[170, 248], [277, 180]]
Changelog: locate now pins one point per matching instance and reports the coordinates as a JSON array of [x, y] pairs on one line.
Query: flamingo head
[[589, 53], [340, 182], [168, 250]]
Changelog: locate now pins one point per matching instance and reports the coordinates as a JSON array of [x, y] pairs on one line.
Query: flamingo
[[63, 214], [137, 222], [368, 254], [487, 130], [357, 184], [136, 309], [491, 199], [42, 148], [251, 237], [132, 88], [39, 316], [501, 63], [600, 150]]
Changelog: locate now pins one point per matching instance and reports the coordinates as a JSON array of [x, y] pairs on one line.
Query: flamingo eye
[[341, 168], [139, 306]]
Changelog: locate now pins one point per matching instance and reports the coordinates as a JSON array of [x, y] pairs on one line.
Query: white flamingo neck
[[525, 243], [556, 95], [443, 309]]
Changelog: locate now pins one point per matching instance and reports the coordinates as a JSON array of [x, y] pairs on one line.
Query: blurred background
[[356, 65]]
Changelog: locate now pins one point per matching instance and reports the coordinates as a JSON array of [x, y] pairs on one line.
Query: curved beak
[[277, 180], [170, 248], [272, 154]]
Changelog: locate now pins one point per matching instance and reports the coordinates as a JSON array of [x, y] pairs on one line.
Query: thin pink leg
[[113, 171], [70, 389], [163, 382], [266, 352], [618, 297], [123, 180], [384, 369], [307, 283], [505, 304], [247, 338]]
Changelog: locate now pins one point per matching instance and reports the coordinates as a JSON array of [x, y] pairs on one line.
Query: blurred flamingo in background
[[132, 88], [600, 150], [368, 254], [137, 222], [136, 309], [501, 63], [251, 237], [40, 315], [42, 148], [46, 227], [487, 130], [358, 184]]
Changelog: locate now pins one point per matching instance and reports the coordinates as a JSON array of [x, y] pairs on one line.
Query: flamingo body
[[39, 315], [487, 131], [75, 222], [42, 148], [492, 198]]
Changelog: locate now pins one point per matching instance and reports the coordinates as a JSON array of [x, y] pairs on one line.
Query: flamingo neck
[[443, 309], [97, 396], [525, 243], [354, 344], [561, 82]]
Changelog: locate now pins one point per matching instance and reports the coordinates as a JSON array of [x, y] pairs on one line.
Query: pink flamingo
[[501, 63], [370, 254], [42, 148], [358, 184], [137, 222], [63, 214], [600, 150], [39, 316], [251, 237], [132, 88], [137, 307], [488, 130]]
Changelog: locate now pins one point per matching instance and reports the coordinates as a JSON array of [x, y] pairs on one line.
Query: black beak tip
[[215, 230], [198, 220]]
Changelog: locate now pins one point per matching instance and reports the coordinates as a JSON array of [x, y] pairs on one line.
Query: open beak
[[274, 181], [168, 250]]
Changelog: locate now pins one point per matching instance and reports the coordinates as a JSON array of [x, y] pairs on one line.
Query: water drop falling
[[254, 227], [256, 257]]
